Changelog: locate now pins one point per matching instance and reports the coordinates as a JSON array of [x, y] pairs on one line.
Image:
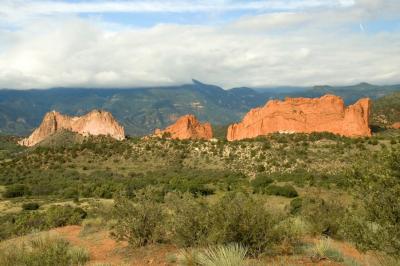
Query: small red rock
[[187, 127]]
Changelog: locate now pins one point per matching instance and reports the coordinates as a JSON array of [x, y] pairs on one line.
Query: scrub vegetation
[[280, 197]]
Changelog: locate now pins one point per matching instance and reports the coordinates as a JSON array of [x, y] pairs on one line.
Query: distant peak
[[364, 84], [321, 86], [196, 82]]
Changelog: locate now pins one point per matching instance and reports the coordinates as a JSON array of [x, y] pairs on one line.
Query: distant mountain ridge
[[141, 110]]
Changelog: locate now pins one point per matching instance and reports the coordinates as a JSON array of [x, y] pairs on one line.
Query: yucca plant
[[323, 250], [78, 256], [188, 257], [231, 255], [321, 247]]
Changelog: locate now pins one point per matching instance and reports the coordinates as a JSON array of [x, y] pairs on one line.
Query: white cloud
[[287, 48], [102, 6]]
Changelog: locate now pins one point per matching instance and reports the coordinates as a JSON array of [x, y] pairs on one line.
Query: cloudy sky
[[98, 43]]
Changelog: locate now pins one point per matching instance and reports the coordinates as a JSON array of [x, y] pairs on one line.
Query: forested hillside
[[141, 110]]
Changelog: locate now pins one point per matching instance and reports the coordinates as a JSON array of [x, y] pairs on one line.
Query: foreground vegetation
[[44, 250], [255, 199]]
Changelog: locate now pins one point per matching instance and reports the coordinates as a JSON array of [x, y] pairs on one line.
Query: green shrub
[[325, 217], [57, 216], [140, 222], [285, 191], [189, 220], [261, 182], [15, 191], [295, 205], [375, 224], [373, 142], [30, 206], [238, 218], [291, 232], [299, 176], [394, 164], [27, 222], [260, 168]]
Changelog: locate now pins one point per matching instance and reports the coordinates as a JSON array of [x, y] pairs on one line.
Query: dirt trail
[[102, 249]]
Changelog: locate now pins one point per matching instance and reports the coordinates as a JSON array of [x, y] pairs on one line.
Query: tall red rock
[[187, 127], [94, 123], [305, 115]]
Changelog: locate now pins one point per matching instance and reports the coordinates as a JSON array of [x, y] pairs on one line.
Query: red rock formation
[[186, 127], [305, 115], [396, 125], [94, 123]]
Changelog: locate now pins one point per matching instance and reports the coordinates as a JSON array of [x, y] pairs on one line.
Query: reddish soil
[[349, 251], [103, 249]]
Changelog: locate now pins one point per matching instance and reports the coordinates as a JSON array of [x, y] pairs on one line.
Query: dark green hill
[[350, 94], [386, 110], [141, 110]]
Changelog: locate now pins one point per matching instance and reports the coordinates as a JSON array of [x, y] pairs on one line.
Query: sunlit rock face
[[186, 127], [94, 123], [396, 125], [305, 115]]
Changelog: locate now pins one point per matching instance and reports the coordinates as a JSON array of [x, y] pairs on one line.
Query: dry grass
[[8, 206], [41, 249]]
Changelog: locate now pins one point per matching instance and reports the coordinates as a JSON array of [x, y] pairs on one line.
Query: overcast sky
[[98, 43]]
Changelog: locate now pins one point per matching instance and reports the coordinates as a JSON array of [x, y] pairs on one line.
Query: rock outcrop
[[396, 125], [94, 123], [186, 127], [305, 115]]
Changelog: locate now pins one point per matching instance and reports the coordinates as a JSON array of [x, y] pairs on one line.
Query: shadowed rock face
[[305, 115], [94, 123], [186, 127]]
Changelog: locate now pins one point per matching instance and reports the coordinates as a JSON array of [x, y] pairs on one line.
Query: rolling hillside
[[387, 110]]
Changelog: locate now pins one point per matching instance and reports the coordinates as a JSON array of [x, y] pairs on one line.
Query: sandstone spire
[[94, 123], [305, 115], [186, 127]]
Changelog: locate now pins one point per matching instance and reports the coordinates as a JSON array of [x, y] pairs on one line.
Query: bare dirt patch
[[101, 247], [104, 249]]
